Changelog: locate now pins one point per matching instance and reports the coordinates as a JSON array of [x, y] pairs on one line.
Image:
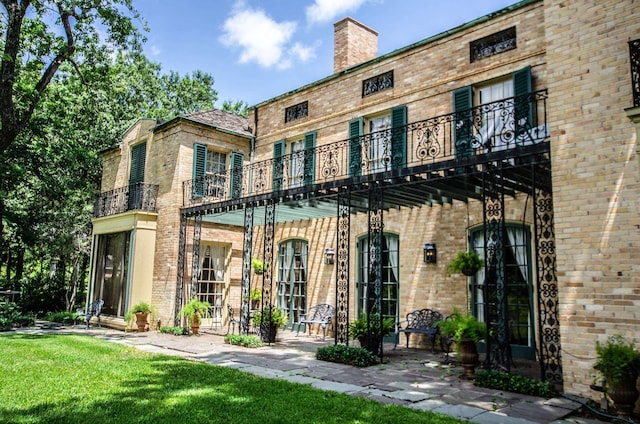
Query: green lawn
[[79, 379]]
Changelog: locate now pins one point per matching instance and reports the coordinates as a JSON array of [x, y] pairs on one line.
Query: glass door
[[292, 279]]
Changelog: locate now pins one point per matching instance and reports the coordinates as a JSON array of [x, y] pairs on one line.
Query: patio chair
[[232, 321]]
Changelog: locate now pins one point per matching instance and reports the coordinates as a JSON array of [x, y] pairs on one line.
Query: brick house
[[514, 135]]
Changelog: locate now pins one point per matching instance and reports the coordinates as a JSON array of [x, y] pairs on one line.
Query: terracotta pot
[[141, 321], [468, 357], [624, 393], [195, 324]]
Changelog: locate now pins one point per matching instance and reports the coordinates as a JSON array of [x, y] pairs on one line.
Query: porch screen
[[112, 272]]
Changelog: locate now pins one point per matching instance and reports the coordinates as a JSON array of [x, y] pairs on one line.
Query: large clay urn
[[141, 321], [468, 357]]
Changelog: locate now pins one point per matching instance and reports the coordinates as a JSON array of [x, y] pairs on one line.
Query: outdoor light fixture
[[430, 253], [328, 256]]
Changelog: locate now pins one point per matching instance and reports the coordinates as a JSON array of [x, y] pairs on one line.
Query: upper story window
[[378, 142], [376, 84], [502, 118], [216, 162], [294, 162], [296, 112], [493, 44]]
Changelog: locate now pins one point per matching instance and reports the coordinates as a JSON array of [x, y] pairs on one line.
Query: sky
[[258, 49]]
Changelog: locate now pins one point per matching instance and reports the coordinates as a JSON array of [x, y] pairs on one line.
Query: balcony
[[500, 132], [138, 196]]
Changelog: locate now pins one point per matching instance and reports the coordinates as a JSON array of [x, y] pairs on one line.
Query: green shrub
[[61, 317], [176, 331], [243, 340], [514, 383], [11, 316], [349, 355]]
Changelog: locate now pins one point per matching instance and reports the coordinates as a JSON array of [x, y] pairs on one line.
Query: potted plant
[[255, 296], [139, 313], [467, 263], [258, 266], [268, 320], [194, 311], [619, 363], [370, 333], [465, 331]]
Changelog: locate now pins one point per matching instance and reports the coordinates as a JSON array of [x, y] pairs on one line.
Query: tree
[[39, 36], [239, 107]]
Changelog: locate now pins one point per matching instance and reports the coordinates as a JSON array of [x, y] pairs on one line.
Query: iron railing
[[138, 196], [499, 126], [634, 59]]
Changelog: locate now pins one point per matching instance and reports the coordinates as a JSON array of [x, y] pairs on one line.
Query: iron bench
[[421, 321], [322, 314], [94, 309]]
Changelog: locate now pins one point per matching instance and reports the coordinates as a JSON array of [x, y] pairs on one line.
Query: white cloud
[[263, 40], [155, 50], [327, 10]]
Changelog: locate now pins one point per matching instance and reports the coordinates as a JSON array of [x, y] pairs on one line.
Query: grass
[[71, 379]]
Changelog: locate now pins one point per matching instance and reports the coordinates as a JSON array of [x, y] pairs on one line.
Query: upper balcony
[[504, 130], [138, 196]]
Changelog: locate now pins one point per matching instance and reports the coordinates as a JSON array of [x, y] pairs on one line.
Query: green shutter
[[399, 137], [523, 110], [310, 158], [138, 156], [278, 162], [199, 171], [463, 125], [355, 147], [237, 162]]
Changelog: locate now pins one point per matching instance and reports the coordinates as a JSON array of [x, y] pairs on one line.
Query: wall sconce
[[430, 253], [328, 256]]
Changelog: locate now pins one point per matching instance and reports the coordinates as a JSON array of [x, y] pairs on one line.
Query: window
[[389, 279], [211, 283], [111, 272], [292, 278], [502, 117], [209, 172], [384, 145], [513, 263], [298, 167]]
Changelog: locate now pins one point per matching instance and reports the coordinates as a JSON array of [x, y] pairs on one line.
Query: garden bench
[[322, 314], [94, 309], [421, 321]]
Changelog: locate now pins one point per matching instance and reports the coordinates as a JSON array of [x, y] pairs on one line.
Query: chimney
[[353, 43]]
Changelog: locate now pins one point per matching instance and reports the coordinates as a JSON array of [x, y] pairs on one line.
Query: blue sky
[[258, 49]]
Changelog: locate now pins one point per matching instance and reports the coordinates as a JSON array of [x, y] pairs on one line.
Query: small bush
[[243, 340], [514, 383], [61, 317], [349, 355], [176, 331], [11, 316]]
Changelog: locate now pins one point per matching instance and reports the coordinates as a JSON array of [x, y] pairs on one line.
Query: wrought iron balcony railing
[[634, 58], [139, 196], [494, 127]]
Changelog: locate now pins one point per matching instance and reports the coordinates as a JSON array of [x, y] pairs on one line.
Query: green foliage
[[243, 340], [461, 326], [349, 355], [271, 314], [176, 331], [110, 383], [514, 383], [467, 263], [61, 317], [360, 327], [11, 316], [238, 107], [258, 266], [617, 358], [142, 307], [195, 310]]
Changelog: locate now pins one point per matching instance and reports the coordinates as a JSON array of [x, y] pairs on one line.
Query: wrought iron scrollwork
[[342, 267], [634, 59], [182, 247], [247, 245]]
